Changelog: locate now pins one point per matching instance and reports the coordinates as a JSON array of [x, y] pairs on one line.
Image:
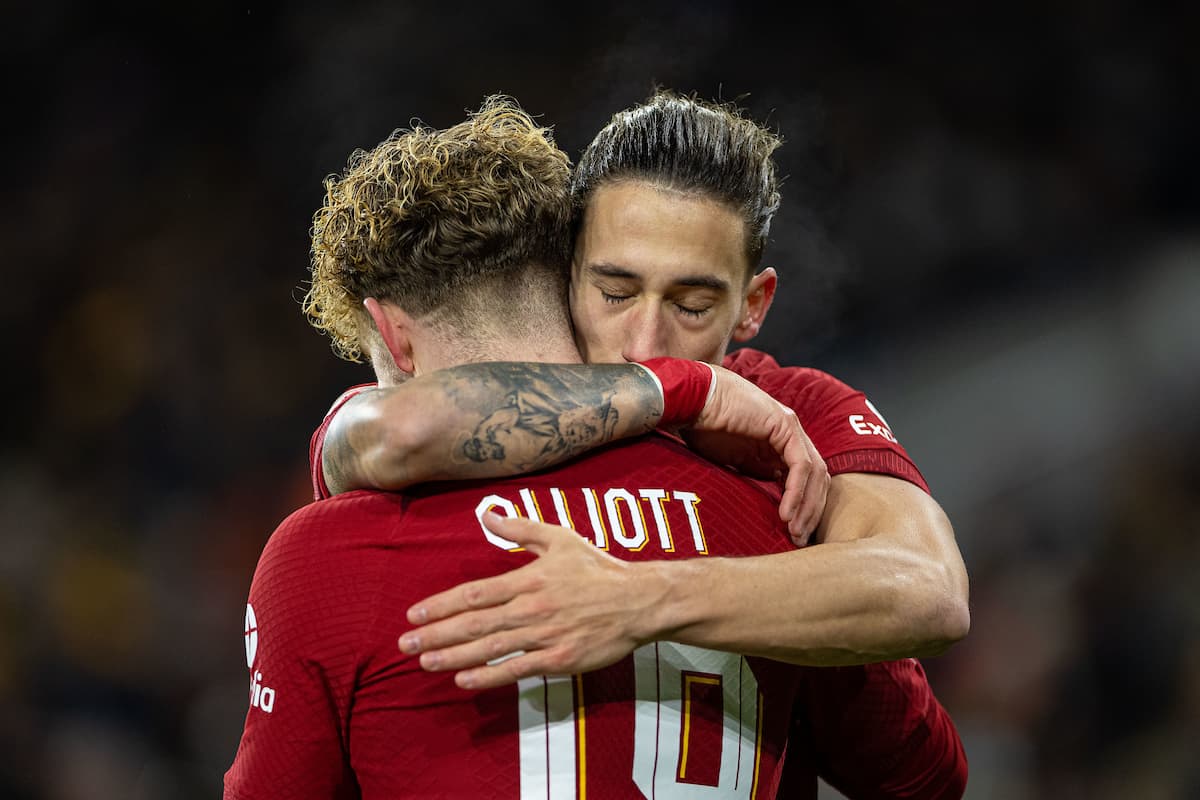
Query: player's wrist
[[669, 599], [686, 387]]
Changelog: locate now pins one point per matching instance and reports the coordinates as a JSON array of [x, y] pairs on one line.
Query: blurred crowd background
[[989, 225]]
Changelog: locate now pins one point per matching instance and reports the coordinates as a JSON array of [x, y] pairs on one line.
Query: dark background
[[989, 225]]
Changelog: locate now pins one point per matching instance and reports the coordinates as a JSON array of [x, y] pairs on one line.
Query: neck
[[448, 353]]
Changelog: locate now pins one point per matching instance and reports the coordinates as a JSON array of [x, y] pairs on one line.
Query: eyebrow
[[703, 281]]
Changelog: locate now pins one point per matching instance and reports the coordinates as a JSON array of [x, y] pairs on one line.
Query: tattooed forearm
[[537, 415], [485, 420]]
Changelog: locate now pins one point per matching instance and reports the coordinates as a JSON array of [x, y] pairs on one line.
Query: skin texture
[[658, 273]]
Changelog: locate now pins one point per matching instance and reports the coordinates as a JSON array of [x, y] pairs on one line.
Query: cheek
[[706, 342], [596, 332], [706, 346]]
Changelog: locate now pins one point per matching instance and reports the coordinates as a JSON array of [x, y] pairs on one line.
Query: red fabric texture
[[845, 428], [352, 716], [877, 732], [887, 709]]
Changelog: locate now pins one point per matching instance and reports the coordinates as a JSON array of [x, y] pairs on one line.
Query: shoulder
[[345, 396], [750, 363], [326, 550], [787, 384], [359, 506], [316, 442], [317, 532], [664, 458]]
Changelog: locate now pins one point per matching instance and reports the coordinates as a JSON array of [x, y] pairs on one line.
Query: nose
[[646, 337]]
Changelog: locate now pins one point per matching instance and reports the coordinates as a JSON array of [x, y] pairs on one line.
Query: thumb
[[531, 535]]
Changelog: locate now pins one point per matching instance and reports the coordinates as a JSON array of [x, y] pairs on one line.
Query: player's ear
[[759, 294], [394, 326]]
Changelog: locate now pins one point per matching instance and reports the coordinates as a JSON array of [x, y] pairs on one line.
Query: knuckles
[[476, 627], [473, 596], [538, 609], [558, 661]]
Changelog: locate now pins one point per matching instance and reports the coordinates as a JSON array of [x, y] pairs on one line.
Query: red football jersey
[[875, 732], [885, 708], [338, 711], [847, 430]]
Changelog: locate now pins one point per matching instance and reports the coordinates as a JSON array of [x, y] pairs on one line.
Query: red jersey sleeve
[[878, 732], [316, 445], [847, 430], [308, 611]]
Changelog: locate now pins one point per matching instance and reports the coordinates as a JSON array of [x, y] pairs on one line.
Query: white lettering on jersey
[[875, 411], [638, 539], [260, 696], [487, 504], [864, 427], [658, 498], [620, 508], [691, 504]]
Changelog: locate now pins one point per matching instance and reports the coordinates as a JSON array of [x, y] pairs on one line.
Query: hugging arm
[[489, 420], [885, 582], [484, 420]]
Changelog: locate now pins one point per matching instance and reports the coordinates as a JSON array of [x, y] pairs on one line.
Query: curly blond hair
[[430, 218]]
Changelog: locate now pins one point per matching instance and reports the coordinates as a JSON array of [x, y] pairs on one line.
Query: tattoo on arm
[[485, 420], [531, 416]]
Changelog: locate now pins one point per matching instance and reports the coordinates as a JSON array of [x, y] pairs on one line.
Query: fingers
[[488, 592], [799, 462], [531, 535], [457, 630], [508, 671], [803, 523], [500, 658], [807, 483], [794, 447], [483, 593], [486, 651]]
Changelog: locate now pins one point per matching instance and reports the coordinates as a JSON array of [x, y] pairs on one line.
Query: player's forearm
[[486, 420], [830, 604]]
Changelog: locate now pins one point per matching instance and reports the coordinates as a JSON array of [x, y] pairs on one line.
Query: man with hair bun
[[421, 252], [673, 202]]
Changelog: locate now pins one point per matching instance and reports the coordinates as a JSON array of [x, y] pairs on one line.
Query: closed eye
[[692, 313], [614, 299]]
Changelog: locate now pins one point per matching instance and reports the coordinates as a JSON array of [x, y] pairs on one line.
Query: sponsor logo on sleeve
[[262, 697], [866, 427]]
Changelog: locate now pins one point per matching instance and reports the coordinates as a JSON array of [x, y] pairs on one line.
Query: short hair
[[689, 145], [431, 219]]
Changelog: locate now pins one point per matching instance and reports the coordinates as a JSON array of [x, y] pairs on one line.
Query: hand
[[744, 427], [571, 610]]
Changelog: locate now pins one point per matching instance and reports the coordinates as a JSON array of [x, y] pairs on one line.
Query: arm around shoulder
[[484, 420], [371, 440]]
